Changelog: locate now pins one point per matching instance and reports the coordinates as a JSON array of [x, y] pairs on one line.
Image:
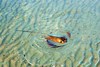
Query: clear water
[[41, 17]]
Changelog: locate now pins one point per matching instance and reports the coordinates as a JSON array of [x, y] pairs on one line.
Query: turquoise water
[[49, 17]]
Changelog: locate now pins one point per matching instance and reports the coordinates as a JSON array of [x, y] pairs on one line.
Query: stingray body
[[51, 44], [61, 40], [53, 40]]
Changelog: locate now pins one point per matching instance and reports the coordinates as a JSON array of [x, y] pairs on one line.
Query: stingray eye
[[61, 41]]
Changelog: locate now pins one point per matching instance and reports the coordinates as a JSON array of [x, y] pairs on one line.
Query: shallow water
[[24, 24]]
